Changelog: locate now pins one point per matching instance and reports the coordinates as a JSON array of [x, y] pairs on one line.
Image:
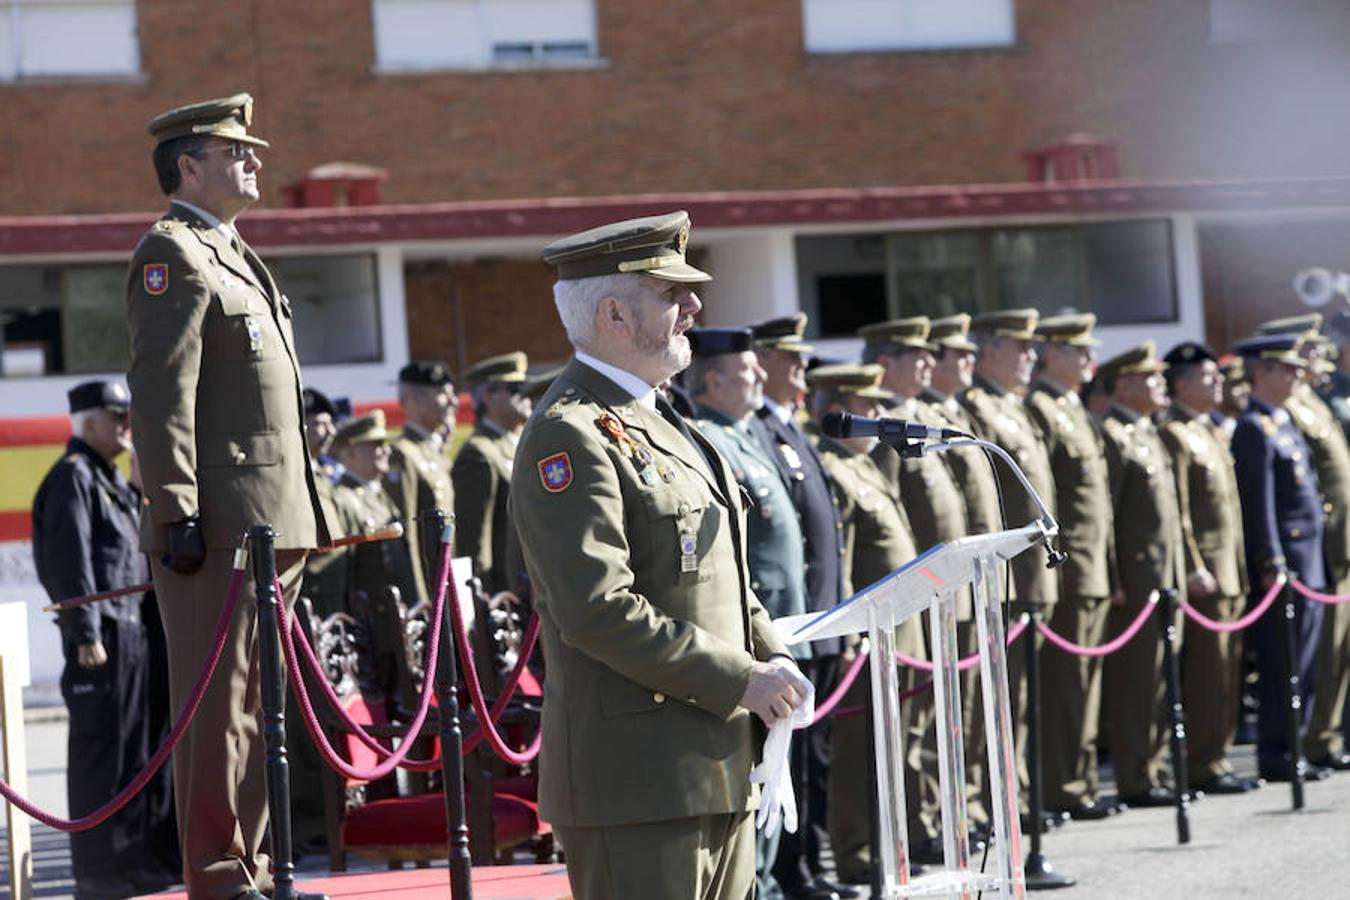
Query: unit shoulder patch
[[555, 472], [155, 278]]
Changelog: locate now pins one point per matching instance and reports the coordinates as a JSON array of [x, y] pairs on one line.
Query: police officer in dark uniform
[[85, 520], [1282, 525]]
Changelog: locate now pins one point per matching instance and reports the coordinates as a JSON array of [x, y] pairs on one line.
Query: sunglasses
[[234, 150]]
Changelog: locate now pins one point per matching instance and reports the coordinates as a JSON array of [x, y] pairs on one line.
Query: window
[[417, 35], [66, 319], [854, 26], [1122, 271], [1254, 21], [67, 37]]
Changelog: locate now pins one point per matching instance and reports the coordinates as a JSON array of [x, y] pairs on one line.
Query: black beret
[[1188, 353], [712, 341], [423, 371], [317, 402], [99, 395]]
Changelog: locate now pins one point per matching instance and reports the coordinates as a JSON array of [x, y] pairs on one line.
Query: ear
[[187, 167], [613, 316]]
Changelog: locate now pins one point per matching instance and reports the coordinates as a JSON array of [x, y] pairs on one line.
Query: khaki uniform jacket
[[327, 575], [932, 501], [418, 481], [1001, 417], [1149, 541], [1331, 457], [1082, 492], [482, 483], [649, 625], [216, 411], [969, 465], [1207, 498]]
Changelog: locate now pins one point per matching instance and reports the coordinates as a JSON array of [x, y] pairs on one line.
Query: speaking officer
[[1003, 369], [634, 536], [1216, 580], [419, 468], [1282, 522], [1149, 541], [482, 468], [782, 351], [219, 430], [1072, 695], [85, 520], [1315, 420]]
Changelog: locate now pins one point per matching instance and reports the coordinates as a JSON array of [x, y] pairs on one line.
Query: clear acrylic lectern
[[931, 581]]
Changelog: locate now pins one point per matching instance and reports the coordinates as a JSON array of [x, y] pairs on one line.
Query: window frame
[[908, 47], [11, 10]]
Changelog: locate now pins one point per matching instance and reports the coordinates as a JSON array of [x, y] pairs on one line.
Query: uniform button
[[1295, 533], [754, 585], [659, 697], [1326, 508], [1140, 556]]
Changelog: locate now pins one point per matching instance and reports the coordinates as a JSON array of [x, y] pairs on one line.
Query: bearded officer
[[482, 468], [1072, 695], [634, 536], [419, 466], [1216, 565], [218, 422]]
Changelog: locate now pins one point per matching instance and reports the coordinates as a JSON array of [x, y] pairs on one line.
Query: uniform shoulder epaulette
[[164, 225], [1268, 424]]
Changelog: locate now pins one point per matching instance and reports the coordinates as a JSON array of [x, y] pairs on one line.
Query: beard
[[673, 351]]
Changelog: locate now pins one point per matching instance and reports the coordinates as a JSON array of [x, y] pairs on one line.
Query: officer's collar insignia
[[556, 472], [155, 277]]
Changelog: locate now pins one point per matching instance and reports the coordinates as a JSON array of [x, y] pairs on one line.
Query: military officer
[[419, 466], [1072, 694], [1282, 522], [726, 384], [85, 520], [1315, 420], [363, 449], [482, 468], [782, 353], [659, 655], [1216, 580], [878, 540], [1337, 389], [1003, 369], [218, 422], [1149, 555]]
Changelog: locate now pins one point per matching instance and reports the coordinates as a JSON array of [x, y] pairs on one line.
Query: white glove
[[777, 802]]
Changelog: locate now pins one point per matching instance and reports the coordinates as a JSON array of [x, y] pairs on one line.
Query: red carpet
[[489, 883]]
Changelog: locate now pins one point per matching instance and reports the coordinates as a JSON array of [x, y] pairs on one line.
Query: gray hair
[[80, 420], [695, 378], [578, 300]]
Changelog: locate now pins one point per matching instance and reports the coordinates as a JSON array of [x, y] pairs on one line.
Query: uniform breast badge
[[155, 277], [688, 551], [254, 334], [556, 472], [643, 459]]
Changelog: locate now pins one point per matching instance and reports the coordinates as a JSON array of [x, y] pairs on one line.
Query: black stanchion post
[[263, 556], [433, 524], [1293, 693], [1176, 714], [1040, 874]]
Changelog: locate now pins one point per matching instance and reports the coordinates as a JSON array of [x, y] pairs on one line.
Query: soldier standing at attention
[[85, 521], [1149, 553], [482, 469], [1216, 580], [878, 540], [325, 581], [419, 467], [1072, 694], [1282, 522], [633, 531], [1003, 369], [219, 429], [726, 384], [1325, 743], [781, 351]]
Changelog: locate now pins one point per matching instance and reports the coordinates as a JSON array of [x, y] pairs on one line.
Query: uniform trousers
[[1071, 694], [1135, 694], [1211, 675], [219, 779], [1325, 736], [698, 858], [1272, 745]]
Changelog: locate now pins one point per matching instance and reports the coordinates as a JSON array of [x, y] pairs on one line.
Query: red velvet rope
[[1237, 624], [84, 823], [1108, 648], [1318, 596]]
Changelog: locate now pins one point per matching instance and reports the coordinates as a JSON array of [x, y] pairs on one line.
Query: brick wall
[[696, 95]]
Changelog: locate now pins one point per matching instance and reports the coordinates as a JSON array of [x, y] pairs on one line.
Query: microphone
[[847, 425]]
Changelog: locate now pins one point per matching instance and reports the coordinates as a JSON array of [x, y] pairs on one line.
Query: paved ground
[[1248, 846]]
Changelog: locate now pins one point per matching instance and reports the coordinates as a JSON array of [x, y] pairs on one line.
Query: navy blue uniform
[[1282, 525], [85, 519]]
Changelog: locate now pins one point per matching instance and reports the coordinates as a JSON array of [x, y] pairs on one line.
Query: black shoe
[[1049, 822], [844, 891], [810, 891], [1227, 783], [1089, 811], [1154, 796], [1339, 761], [1281, 772]]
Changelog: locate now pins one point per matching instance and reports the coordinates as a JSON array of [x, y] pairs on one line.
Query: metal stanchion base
[[1041, 876]]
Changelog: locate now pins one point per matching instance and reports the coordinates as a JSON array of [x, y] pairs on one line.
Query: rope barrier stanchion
[[270, 598], [1293, 694], [1111, 646], [1040, 874], [1245, 621], [194, 700], [1176, 713], [437, 531]]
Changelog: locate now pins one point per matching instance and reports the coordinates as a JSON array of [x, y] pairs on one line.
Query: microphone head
[[837, 425]]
